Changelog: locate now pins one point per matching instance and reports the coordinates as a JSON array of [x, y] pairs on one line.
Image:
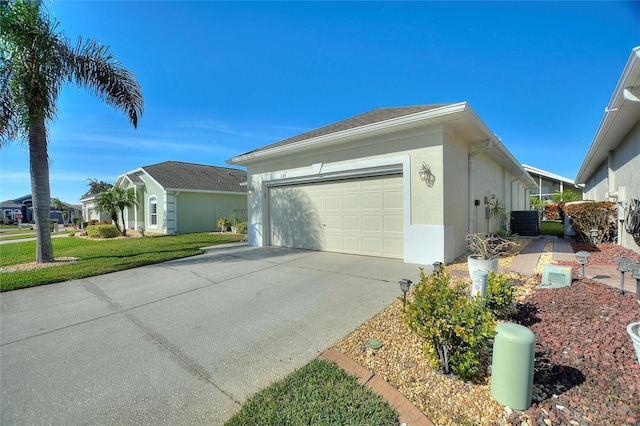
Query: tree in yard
[[62, 207], [114, 199], [36, 60], [105, 203], [123, 199], [97, 187]]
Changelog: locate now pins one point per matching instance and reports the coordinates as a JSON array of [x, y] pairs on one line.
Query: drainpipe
[[511, 189], [471, 217]]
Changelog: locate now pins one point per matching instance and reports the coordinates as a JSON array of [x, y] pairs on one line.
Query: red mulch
[[585, 364]]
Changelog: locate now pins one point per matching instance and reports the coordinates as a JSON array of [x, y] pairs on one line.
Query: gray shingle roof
[[374, 116], [179, 175]]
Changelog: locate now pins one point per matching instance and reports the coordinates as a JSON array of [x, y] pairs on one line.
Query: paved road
[[182, 342]]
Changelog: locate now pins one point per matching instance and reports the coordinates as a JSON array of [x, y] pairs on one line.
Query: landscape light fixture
[[437, 267], [594, 235], [426, 175], [624, 265], [582, 260], [405, 283]]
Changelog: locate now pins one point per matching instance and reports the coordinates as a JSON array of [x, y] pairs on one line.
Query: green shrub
[[102, 231], [455, 328], [241, 228], [499, 295]]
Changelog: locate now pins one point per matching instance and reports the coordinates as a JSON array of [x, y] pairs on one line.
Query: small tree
[[123, 198], [105, 203]]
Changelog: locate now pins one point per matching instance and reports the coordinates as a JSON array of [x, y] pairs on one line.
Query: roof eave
[[353, 133], [602, 143], [513, 164]]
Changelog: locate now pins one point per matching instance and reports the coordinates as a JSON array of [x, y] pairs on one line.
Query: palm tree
[[123, 199], [106, 203], [36, 60]]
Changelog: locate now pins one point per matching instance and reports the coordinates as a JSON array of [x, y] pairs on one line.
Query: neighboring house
[[176, 197], [10, 209], [611, 169], [89, 210], [403, 183], [24, 205], [550, 184]]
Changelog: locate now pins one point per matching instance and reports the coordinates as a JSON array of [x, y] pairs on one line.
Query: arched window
[[153, 211]]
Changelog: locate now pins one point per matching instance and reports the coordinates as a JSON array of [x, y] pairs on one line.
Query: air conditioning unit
[[556, 276]]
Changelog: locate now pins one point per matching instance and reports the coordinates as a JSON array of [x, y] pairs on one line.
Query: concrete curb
[[409, 413]]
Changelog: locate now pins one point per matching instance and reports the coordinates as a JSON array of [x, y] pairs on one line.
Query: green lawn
[[551, 228], [319, 393], [99, 257]]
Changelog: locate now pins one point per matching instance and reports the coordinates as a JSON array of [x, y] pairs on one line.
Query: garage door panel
[[351, 202], [392, 223], [351, 222], [359, 216], [392, 200], [295, 219], [392, 246], [372, 201], [333, 202]]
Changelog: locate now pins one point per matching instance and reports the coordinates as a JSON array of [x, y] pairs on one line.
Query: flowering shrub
[[223, 223]]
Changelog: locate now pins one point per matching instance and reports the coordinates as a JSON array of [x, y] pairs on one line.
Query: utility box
[[512, 366], [556, 276]]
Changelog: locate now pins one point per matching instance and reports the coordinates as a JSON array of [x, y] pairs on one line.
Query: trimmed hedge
[[590, 215], [102, 231]]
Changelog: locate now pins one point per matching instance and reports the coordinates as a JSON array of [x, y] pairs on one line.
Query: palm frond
[[96, 69]]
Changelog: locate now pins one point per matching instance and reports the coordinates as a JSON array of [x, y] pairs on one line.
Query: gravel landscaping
[[586, 371]]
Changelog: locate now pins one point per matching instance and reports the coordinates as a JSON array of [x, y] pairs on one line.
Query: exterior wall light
[[624, 265], [405, 283], [250, 190], [582, 259], [426, 175]]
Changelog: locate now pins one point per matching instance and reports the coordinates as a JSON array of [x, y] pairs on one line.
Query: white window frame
[[153, 202]]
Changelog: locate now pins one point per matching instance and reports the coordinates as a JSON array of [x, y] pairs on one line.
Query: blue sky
[[223, 78]]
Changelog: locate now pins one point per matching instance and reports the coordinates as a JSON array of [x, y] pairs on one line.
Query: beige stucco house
[[611, 169], [176, 197], [402, 183]]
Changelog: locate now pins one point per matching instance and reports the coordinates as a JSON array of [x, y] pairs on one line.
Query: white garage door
[[358, 216]]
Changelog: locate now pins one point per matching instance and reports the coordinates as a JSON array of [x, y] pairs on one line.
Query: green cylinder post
[[512, 366]]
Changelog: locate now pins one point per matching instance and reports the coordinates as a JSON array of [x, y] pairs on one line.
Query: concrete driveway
[[182, 342]]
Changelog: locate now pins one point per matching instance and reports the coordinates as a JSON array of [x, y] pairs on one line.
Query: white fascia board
[[548, 174], [601, 145], [356, 132], [124, 175], [516, 167], [204, 191]]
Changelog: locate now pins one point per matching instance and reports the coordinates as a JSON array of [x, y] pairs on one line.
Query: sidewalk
[[527, 261]]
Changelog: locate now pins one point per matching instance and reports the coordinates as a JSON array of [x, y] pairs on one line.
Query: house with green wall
[[176, 197]]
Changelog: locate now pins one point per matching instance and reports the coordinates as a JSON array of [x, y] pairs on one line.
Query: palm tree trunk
[[124, 225], [40, 191]]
